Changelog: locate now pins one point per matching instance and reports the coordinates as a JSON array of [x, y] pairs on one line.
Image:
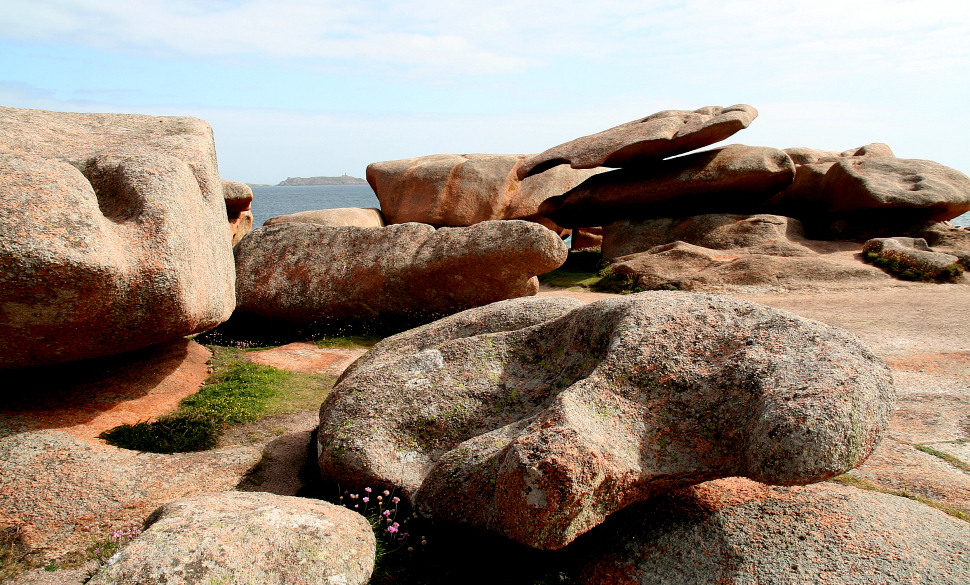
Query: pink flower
[[368, 490], [365, 499], [387, 493], [387, 513], [395, 499], [392, 528]]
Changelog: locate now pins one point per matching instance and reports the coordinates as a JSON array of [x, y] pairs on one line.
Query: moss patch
[[852, 481], [907, 271]]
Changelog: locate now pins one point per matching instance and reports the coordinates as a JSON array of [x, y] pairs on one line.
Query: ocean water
[[272, 201]]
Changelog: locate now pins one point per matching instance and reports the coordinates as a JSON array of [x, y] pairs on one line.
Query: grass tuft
[[852, 481]]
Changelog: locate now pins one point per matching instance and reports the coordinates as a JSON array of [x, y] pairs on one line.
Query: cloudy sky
[[323, 87]]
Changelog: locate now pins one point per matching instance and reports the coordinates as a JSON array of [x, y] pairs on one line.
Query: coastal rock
[[587, 238], [238, 196], [540, 432], [868, 192], [737, 532], [733, 179], [748, 234], [462, 190], [655, 137], [342, 216], [683, 266], [309, 274], [911, 258], [113, 234], [242, 225], [238, 537]]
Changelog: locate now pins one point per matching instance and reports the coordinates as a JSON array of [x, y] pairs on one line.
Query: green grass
[[237, 392], [954, 461], [15, 556], [348, 341]]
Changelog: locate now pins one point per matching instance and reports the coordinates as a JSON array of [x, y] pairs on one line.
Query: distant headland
[[302, 181]]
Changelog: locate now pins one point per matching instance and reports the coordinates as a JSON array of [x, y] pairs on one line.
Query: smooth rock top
[[539, 433], [246, 538], [657, 136], [239, 197], [341, 216]]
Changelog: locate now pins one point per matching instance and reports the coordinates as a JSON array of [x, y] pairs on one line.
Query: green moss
[[906, 271], [611, 282], [852, 481], [959, 464]]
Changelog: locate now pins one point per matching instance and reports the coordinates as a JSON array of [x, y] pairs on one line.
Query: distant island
[[302, 181]]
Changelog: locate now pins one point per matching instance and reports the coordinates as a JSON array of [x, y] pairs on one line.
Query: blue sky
[[303, 88]]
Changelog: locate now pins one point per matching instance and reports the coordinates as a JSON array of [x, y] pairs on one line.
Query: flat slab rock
[[304, 273], [239, 537], [537, 418], [738, 532], [657, 136]]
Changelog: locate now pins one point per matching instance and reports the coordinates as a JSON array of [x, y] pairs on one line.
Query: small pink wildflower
[[392, 528], [395, 499], [387, 513], [365, 499], [387, 493], [368, 490]]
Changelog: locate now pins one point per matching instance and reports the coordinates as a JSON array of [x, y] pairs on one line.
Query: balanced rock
[[747, 234], [655, 137], [310, 274], [239, 199], [912, 258], [240, 537], [540, 432], [733, 179], [737, 532], [113, 234], [341, 216], [462, 190]]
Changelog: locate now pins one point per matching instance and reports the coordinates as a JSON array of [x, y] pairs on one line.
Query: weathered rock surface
[[540, 432], [312, 274], [113, 234], [657, 136], [684, 266], [239, 199], [912, 257], [735, 532], [238, 537], [868, 192], [342, 216], [587, 238], [462, 190], [754, 234], [65, 492], [733, 179]]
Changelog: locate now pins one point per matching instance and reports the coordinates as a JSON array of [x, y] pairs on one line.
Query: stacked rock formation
[[537, 418], [239, 200], [113, 234]]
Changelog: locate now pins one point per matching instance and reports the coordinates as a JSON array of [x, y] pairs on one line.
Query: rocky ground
[[62, 486]]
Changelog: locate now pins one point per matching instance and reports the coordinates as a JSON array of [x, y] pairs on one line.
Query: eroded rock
[[341, 216], [113, 234], [912, 259], [464, 189], [655, 137], [540, 432], [733, 179], [309, 274]]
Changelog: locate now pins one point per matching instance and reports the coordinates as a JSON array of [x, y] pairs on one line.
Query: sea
[[272, 201]]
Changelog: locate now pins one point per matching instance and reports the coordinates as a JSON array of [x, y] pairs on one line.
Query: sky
[[308, 88]]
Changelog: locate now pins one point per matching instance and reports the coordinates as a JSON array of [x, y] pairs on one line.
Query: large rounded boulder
[[537, 418], [309, 274], [113, 234]]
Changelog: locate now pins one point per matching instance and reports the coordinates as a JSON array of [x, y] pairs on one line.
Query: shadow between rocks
[[64, 395]]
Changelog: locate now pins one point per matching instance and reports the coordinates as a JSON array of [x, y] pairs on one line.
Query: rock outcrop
[[733, 179], [735, 532], [462, 190], [238, 537], [657, 136], [341, 216], [113, 234], [749, 234], [308, 274], [539, 432]]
